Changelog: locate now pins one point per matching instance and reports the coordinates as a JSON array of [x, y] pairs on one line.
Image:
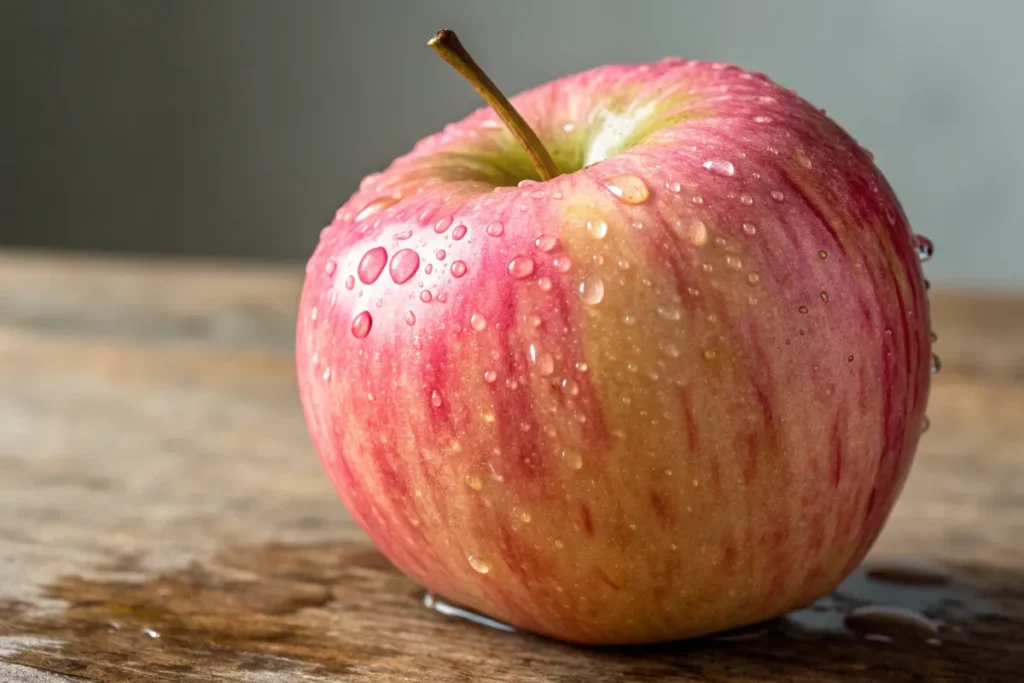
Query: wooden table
[[163, 516]]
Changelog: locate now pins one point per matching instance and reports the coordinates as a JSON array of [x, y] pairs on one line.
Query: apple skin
[[674, 392]]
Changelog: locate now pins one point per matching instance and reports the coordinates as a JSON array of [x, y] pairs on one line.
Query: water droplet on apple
[[542, 360], [598, 228], [673, 187], [570, 387], [753, 278], [435, 398], [734, 262], [330, 267], [372, 265], [459, 232], [404, 235], [440, 254], [936, 364], [670, 350], [573, 459], [314, 314], [563, 264], [479, 564], [629, 188], [374, 207], [490, 376], [361, 325], [750, 228], [669, 313], [591, 290], [762, 119], [404, 265], [803, 159], [521, 267], [802, 309], [545, 284], [547, 242], [824, 296], [410, 318], [443, 224], [350, 282], [496, 229], [849, 359], [327, 374], [474, 482], [746, 200], [710, 355], [719, 167], [417, 343], [426, 296], [522, 515], [822, 254], [777, 195], [459, 268], [924, 246], [697, 199], [478, 322]]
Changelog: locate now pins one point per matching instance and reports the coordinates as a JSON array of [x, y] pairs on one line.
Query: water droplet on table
[[891, 621], [908, 571]]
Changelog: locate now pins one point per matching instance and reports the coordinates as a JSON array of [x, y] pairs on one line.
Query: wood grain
[[156, 479]]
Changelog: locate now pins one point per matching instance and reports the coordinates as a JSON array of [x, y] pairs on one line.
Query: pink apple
[[673, 390]]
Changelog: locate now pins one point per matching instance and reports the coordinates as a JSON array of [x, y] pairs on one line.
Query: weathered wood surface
[[156, 480]]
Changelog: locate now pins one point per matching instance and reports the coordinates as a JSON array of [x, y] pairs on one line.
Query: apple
[[653, 365]]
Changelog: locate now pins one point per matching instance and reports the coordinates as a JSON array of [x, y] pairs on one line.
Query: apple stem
[[448, 46]]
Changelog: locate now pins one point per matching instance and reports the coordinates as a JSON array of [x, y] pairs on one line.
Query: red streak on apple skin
[[838, 444], [753, 462], [662, 509], [587, 518], [611, 583]]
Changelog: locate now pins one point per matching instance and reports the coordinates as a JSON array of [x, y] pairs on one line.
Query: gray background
[[236, 127]]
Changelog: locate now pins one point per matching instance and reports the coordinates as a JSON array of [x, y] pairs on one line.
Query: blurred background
[[237, 127]]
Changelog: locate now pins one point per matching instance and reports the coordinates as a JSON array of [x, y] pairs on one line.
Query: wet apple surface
[[163, 516], [672, 386]]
